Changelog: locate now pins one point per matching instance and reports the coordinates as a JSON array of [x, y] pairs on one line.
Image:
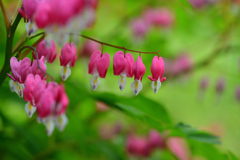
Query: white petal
[[95, 81], [12, 85], [61, 122], [136, 86], [60, 35], [49, 123], [18, 88], [122, 82], [156, 85], [30, 109], [31, 28], [65, 72]]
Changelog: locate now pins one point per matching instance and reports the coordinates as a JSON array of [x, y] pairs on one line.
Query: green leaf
[[198, 135]]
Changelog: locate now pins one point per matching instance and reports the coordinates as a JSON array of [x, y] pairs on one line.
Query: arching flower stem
[[119, 47]]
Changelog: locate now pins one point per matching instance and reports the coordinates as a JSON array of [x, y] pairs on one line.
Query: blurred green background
[[203, 33]]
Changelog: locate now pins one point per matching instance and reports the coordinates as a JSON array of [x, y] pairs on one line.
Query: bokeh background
[[200, 48]]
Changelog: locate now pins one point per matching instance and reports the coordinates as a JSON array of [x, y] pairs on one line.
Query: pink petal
[[129, 65], [103, 64], [92, 64], [24, 68], [15, 68], [139, 69], [119, 63]]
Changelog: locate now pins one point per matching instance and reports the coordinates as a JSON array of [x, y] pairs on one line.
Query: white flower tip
[[122, 82], [61, 122], [156, 85], [65, 72], [49, 126], [30, 109], [95, 81], [18, 88], [136, 87]]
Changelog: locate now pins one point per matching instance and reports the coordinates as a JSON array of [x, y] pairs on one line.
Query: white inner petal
[[65, 72], [156, 85], [49, 123], [136, 86], [122, 82], [18, 88], [61, 122], [31, 28], [12, 85], [30, 109], [95, 81]]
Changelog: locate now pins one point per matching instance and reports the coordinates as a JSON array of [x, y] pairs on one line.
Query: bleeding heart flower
[[67, 59], [98, 67], [49, 52], [52, 106], [157, 70], [20, 71], [155, 140], [35, 70], [138, 72], [123, 65], [30, 83]]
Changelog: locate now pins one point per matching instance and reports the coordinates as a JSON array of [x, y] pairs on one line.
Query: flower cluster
[[161, 17], [124, 66], [143, 146], [58, 17], [29, 81]]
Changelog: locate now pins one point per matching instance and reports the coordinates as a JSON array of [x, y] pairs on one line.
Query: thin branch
[[19, 44], [5, 16], [107, 44]]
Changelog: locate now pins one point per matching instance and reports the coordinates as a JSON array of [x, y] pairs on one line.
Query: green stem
[[5, 16], [8, 52]]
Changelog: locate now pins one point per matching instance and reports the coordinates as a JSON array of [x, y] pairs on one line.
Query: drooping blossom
[[162, 17], [138, 72], [182, 63], [49, 52], [198, 4], [34, 69], [220, 85], [61, 17], [137, 146], [123, 65], [88, 48], [98, 67], [20, 70], [28, 12], [157, 69], [30, 83], [51, 107], [67, 59], [155, 140], [139, 28], [179, 148]]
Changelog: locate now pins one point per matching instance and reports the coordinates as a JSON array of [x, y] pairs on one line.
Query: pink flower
[[39, 88], [35, 70], [49, 52], [67, 59], [155, 140], [43, 15], [138, 72], [98, 67], [237, 94], [88, 48], [30, 7], [123, 65], [139, 28], [157, 70], [137, 146], [179, 148], [159, 17], [51, 107], [30, 83], [20, 71], [183, 63]]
